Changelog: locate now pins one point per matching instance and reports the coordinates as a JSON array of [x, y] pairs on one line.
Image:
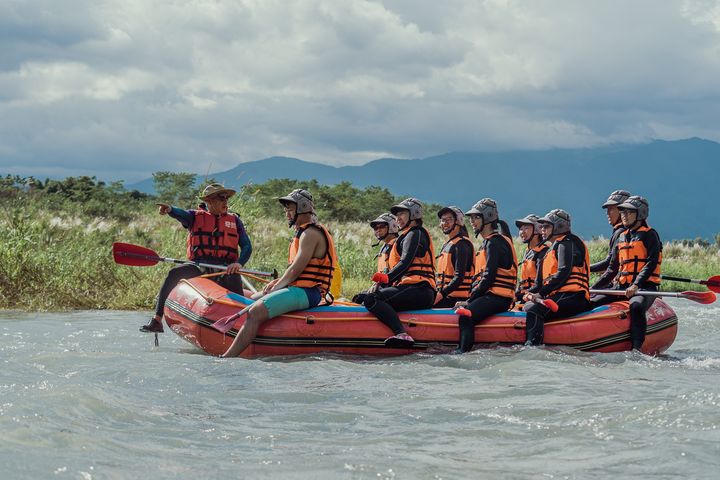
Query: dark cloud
[[122, 89]]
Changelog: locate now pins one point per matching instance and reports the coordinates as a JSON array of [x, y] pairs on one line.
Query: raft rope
[[412, 322]]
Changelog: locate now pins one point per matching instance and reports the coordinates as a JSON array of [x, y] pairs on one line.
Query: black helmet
[[638, 204], [616, 198]]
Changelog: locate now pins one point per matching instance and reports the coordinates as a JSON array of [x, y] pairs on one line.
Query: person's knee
[[370, 301]]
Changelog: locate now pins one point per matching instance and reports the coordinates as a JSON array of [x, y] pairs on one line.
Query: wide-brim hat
[[215, 189]]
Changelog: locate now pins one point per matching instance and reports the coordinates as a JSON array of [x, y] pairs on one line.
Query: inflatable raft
[[194, 305]]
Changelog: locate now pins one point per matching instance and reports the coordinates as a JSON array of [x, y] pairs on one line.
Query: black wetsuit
[[482, 303], [607, 277], [386, 301], [570, 253], [639, 304], [461, 256]]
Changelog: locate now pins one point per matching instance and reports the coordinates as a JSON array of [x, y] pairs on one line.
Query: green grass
[[55, 259]]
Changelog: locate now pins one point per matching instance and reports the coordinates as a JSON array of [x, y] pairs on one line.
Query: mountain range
[[677, 177]]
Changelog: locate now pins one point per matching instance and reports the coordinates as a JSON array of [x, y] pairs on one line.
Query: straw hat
[[216, 189]]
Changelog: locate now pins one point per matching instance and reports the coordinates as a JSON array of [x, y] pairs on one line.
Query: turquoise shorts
[[288, 300]]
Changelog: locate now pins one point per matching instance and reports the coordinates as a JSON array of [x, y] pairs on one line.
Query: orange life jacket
[[505, 278], [421, 269], [213, 237], [528, 267], [446, 269], [319, 271], [633, 256], [579, 278], [383, 256]]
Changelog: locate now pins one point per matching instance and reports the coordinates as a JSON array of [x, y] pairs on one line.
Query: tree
[[176, 188]]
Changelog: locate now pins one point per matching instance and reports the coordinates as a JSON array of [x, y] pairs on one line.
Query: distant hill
[[677, 177]]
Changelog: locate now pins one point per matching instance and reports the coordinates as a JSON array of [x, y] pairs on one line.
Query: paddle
[[226, 323], [137, 256], [713, 283], [700, 297]]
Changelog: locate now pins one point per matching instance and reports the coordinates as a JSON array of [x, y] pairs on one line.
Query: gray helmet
[[637, 203], [302, 198], [531, 219], [559, 219], [459, 215], [487, 209], [389, 220], [616, 198], [411, 204]]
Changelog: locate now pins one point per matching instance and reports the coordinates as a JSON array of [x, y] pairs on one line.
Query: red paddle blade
[[550, 304], [705, 298], [380, 277], [134, 255], [713, 283], [463, 312]]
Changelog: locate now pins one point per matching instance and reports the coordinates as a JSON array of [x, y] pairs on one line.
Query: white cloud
[[124, 88]]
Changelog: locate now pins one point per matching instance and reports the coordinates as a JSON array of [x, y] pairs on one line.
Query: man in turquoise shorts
[[311, 262]]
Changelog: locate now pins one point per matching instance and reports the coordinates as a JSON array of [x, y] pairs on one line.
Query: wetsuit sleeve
[[565, 254], [603, 265], [606, 279], [461, 256], [496, 250], [653, 247], [243, 242], [411, 245], [185, 217]]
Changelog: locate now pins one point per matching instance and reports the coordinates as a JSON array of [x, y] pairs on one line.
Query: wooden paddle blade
[[550, 304], [463, 312], [134, 255], [713, 283], [705, 298]]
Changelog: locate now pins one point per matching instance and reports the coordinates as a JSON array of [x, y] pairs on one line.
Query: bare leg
[[257, 315]]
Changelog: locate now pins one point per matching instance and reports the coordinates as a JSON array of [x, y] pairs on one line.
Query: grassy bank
[[60, 259]]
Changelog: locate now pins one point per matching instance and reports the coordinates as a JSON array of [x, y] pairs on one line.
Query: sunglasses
[[221, 197]]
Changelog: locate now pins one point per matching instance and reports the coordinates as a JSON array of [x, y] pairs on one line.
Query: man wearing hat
[[214, 236]]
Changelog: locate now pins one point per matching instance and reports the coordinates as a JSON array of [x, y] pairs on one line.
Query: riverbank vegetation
[[56, 237]]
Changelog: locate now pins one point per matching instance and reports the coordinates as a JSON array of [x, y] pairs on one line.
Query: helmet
[[637, 203], [411, 204], [531, 219], [616, 198], [302, 198], [487, 209], [559, 219], [389, 220], [459, 215]]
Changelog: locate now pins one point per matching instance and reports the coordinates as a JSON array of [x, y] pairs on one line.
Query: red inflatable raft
[[194, 305]]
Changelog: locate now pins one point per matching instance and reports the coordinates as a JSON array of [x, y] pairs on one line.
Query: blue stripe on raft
[[437, 311]]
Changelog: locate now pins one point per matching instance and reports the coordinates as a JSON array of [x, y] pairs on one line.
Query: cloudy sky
[[123, 88]]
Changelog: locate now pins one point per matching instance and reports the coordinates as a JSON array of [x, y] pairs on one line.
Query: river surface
[[85, 395]]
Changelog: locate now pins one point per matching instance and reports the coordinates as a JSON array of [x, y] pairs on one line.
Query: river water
[[85, 395]]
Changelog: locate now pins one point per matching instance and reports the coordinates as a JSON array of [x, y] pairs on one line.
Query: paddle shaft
[[639, 292], [190, 262], [709, 282]]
